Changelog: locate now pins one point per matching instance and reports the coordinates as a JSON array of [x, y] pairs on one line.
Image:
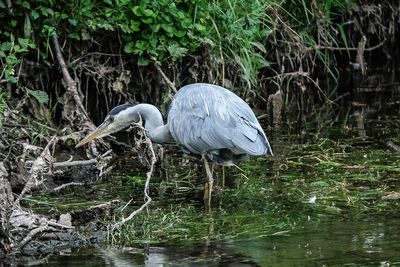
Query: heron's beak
[[100, 131]]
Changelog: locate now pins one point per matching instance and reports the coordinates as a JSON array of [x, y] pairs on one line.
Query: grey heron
[[203, 119]]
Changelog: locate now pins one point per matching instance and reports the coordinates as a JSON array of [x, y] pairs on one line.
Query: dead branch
[[39, 166], [58, 188], [43, 227], [147, 197], [360, 54], [65, 164], [166, 79], [62, 226], [103, 205], [73, 107]]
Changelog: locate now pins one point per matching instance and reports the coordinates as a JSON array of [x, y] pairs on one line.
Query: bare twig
[[62, 226], [58, 188], [166, 79], [147, 197], [368, 49], [103, 205], [43, 227]]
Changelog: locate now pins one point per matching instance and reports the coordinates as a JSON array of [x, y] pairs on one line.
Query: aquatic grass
[[312, 179]]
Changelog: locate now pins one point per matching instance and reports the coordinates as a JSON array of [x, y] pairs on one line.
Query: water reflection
[[343, 243], [338, 243]]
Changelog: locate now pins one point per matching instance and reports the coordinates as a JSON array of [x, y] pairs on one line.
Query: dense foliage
[[153, 30]]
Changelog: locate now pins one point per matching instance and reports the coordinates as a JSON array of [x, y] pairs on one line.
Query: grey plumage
[[211, 120]]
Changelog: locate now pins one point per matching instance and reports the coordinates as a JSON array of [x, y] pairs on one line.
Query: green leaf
[[23, 42], [179, 33], [11, 79], [74, 35], [41, 96], [12, 60], [6, 46], [200, 28], [148, 20], [34, 14], [136, 11], [168, 28], [26, 4], [27, 26], [155, 28], [129, 48], [134, 26], [73, 22], [177, 51], [148, 12], [46, 11], [141, 45], [18, 49], [143, 61]]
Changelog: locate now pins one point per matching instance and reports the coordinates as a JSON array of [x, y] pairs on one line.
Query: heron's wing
[[205, 117]]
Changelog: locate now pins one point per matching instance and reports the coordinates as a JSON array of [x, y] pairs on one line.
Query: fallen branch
[[39, 166], [44, 226]]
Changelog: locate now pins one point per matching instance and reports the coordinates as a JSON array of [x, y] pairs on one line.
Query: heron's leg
[[208, 186]]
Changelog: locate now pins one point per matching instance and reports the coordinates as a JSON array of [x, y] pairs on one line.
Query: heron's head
[[117, 119]]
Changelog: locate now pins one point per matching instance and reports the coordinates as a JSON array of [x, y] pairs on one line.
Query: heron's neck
[[153, 123]]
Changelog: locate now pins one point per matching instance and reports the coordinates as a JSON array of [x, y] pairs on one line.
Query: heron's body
[[210, 120], [203, 119]]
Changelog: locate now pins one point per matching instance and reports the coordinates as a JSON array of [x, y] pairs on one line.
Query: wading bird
[[203, 119]]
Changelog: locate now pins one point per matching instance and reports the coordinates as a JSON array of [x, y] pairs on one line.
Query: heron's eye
[[111, 119]]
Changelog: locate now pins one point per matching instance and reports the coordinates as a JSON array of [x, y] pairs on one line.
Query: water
[[318, 202], [328, 243]]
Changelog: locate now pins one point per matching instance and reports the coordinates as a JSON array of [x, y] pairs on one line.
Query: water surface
[[329, 243]]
